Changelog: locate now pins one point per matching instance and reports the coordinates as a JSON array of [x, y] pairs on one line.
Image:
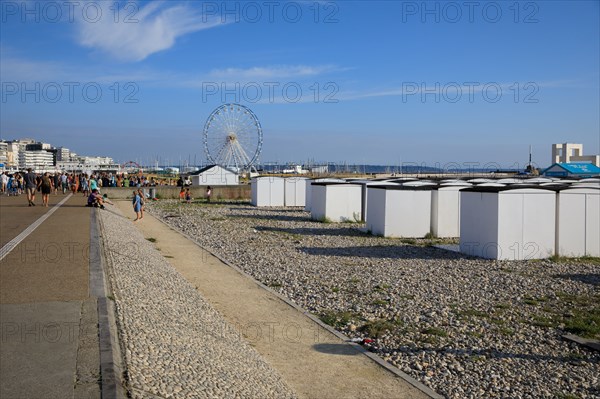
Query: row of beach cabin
[[495, 219]]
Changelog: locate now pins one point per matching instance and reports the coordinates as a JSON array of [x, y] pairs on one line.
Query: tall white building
[[570, 152], [37, 160], [3, 153]]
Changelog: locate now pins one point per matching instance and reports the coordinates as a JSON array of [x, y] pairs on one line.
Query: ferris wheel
[[233, 137]]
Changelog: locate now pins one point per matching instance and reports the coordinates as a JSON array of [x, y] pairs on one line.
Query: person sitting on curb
[[96, 200]]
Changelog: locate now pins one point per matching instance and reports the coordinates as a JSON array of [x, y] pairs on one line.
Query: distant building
[[78, 164], [63, 154], [215, 175], [38, 146], [3, 154], [580, 169], [572, 153], [37, 160]]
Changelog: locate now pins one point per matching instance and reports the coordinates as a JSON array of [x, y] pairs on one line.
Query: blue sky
[[380, 82]]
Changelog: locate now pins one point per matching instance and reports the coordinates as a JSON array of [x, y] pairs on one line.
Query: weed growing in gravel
[[472, 313], [474, 334], [585, 323], [584, 259], [338, 319], [506, 331], [381, 287], [560, 395], [377, 328], [534, 301], [438, 332], [409, 241], [543, 321]]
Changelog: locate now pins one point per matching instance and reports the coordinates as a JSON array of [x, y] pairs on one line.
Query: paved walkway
[[49, 335], [53, 312], [312, 360]]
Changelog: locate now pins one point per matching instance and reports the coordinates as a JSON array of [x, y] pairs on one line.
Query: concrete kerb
[[394, 370], [111, 361]]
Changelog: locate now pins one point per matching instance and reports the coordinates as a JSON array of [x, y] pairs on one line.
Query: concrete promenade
[[49, 321]]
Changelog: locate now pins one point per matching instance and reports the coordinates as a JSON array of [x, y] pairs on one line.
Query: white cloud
[[272, 72], [151, 28]]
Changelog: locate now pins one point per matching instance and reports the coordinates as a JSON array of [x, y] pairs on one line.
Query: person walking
[[56, 182], [85, 188], [4, 182], [46, 188], [142, 205], [12, 186], [74, 183], [64, 181], [137, 206], [20, 183], [30, 186], [208, 193]]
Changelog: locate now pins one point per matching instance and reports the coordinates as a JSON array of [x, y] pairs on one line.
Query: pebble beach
[[466, 327], [174, 343]]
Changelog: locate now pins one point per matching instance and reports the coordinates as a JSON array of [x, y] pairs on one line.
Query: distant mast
[[529, 167]]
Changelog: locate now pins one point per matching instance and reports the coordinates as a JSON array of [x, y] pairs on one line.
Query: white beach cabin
[[295, 191], [336, 202], [445, 209], [578, 224], [399, 211], [267, 191], [308, 189], [509, 223]]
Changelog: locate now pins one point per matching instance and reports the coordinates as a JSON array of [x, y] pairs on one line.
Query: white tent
[[295, 191], [578, 224], [215, 175], [445, 209], [267, 191], [398, 211], [336, 202], [511, 223], [308, 189]]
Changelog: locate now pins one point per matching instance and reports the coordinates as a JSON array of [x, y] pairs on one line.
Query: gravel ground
[[175, 344], [466, 327]]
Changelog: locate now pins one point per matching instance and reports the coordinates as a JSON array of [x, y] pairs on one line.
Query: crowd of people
[[88, 185]]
